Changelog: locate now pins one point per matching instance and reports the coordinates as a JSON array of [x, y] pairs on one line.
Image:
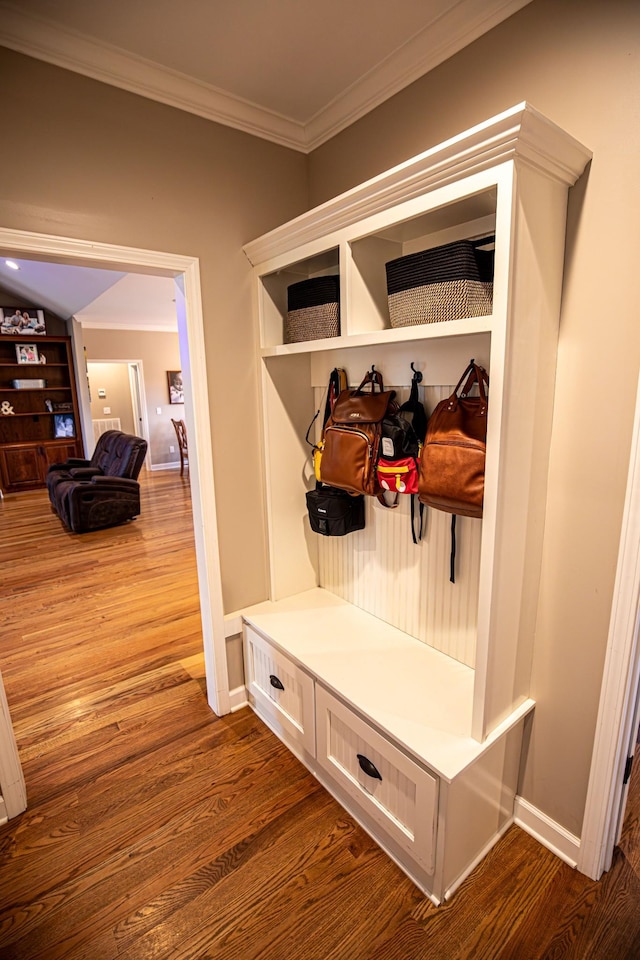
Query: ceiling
[[96, 298], [291, 71]]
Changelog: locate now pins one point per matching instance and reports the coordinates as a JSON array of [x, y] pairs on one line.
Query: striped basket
[[445, 283], [313, 309]]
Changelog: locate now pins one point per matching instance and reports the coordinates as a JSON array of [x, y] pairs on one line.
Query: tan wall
[[577, 61], [159, 353], [101, 164]]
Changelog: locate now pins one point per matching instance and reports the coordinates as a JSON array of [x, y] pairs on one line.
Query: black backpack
[[403, 434]]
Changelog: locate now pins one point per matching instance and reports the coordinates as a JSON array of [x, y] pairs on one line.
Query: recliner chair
[[100, 492]]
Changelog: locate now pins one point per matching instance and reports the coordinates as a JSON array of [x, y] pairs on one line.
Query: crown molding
[[133, 325], [520, 133], [45, 40], [463, 23]]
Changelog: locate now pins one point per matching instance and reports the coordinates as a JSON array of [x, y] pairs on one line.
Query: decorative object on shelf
[[27, 353], [445, 283], [27, 442], [334, 513], [176, 386], [43, 359], [313, 309], [22, 320], [29, 384], [6, 409], [64, 425]]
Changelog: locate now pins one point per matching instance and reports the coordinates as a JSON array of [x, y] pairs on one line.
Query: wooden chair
[[181, 433]]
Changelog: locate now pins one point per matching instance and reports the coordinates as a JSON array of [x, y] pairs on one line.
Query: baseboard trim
[[547, 832], [165, 466], [238, 699]]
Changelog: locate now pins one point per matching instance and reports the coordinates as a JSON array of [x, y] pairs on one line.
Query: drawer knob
[[367, 767], [276, 682]]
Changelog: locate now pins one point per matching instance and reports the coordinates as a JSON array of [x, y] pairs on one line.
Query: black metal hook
[[417, 376]]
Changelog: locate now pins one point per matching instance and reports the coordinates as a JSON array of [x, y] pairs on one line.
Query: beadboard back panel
[[382, 571]]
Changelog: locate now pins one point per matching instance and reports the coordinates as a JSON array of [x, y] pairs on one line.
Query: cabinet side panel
[[480, 806], [532, 333], [288, 410]]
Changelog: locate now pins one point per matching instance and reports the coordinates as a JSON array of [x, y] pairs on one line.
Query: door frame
[[137, 395], [621, 678], [186, 273]]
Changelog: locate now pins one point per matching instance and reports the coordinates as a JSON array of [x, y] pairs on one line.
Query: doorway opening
[[117, 398], [186, 275]]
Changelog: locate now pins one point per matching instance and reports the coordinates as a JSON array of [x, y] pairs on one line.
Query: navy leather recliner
[[103, 491]]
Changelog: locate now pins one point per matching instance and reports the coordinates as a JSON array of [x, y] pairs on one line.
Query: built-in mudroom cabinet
[[405, 694]]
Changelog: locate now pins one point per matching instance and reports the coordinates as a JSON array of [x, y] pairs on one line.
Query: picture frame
[[176, 387], [22, 321], [64, 426], [27, 353]]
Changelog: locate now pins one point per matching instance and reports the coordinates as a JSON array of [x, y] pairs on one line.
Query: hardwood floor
[[157, 830]]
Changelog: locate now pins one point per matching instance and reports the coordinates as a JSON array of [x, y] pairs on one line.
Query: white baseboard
[[3, 812], [547, 832], [165, 466], [238, 699]]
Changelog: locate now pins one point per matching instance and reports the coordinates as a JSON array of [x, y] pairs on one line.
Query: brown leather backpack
[[453, 456], [352, 436]]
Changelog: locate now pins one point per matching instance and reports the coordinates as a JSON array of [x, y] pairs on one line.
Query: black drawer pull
[[367, 767], [275, 682]]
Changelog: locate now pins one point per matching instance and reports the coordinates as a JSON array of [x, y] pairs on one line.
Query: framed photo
[[176, 388], [22, 321], [27, 353], [64, 426]]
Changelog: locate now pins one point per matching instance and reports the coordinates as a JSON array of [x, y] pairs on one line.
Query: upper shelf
[[453, 191]]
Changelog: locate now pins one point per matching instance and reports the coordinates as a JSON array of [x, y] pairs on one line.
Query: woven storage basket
[[313, 309], [444, 283]]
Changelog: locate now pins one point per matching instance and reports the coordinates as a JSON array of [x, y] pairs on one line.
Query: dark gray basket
[[445, 283], [313, 309]]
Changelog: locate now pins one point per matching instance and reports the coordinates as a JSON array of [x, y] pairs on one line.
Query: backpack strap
[[337, 383], [413, 410], [372, 377], [452, 560], [416, 537]]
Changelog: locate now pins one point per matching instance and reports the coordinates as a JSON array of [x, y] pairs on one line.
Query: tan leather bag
[[352, 436], [453, 457]]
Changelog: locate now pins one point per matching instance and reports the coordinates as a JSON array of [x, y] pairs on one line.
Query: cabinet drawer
[[394, 791], [283, 692]]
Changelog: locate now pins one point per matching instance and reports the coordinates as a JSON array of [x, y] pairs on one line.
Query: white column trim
[[12, 786], [619, 685]]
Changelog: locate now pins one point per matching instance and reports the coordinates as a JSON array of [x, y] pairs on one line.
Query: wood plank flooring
[[157, 830]]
